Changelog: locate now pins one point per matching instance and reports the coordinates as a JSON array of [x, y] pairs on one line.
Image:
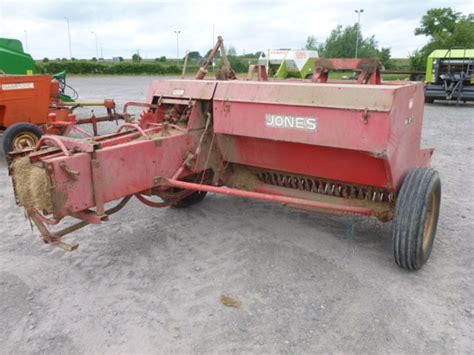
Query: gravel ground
[[150, 280]]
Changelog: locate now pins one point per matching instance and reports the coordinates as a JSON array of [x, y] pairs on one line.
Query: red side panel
[[125, 169], [24, 98], [366, 134], [325, 162]]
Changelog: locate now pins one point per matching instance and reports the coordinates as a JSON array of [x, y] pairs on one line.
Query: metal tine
[[374, 195], [323, 187]]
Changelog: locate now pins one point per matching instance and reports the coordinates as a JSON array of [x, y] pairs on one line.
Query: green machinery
[[13, 60], [450, 75], [287, 63]]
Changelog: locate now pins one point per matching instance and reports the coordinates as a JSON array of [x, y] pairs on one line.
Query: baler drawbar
[[341, 148]]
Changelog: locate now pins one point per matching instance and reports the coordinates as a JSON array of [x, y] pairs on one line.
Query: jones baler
[[341, 148]]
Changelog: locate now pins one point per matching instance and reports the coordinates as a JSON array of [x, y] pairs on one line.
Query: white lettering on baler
[[178, 92], [18, 86], [296, 122]]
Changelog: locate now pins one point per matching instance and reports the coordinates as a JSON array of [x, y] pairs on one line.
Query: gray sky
[[123, 27]]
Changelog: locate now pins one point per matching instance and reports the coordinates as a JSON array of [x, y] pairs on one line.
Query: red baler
[[335, 147]]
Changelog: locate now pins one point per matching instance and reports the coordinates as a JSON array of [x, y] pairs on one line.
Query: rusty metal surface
[[203, 89], [360, 64], [368, 68], [344, 96]]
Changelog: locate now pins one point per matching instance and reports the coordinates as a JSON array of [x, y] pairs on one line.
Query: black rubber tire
[[416, 218], [12, 132], [190, 200]]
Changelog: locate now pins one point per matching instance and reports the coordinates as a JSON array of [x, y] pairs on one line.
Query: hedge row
[[86, 67]]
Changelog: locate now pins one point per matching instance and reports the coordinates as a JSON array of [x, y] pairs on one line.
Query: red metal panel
[[334, 127], [405, 133], [202, 89], [69, 195], [24, 98], [130, 168], [325, 162], [374, 146], [125, 169]]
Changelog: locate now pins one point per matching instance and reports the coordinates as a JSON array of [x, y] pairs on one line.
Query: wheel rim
[[25, 140], [430, 221]]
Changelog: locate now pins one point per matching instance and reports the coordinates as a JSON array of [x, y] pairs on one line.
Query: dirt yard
[[151, 280]]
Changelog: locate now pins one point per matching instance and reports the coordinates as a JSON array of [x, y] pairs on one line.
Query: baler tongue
[[342, 148], [65, 176]]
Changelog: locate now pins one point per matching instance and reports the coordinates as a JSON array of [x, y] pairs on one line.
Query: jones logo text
[[296, 122]]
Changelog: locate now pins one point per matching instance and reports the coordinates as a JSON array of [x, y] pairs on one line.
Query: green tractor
[[450, 75]]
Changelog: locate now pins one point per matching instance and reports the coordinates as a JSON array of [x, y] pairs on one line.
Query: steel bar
[[267, 197]]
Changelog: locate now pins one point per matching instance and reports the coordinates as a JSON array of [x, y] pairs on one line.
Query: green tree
[[311, 43], [417, 60], [445, 29], [194, 55], [136, 57], [437, 21], [341, 43], [251, 55]]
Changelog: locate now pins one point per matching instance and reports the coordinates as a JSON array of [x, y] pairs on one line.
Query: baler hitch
[[55, 238], [91, 217]]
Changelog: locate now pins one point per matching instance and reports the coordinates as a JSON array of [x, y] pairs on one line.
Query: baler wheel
[[20, 136], [416, 218], [190, 200]]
